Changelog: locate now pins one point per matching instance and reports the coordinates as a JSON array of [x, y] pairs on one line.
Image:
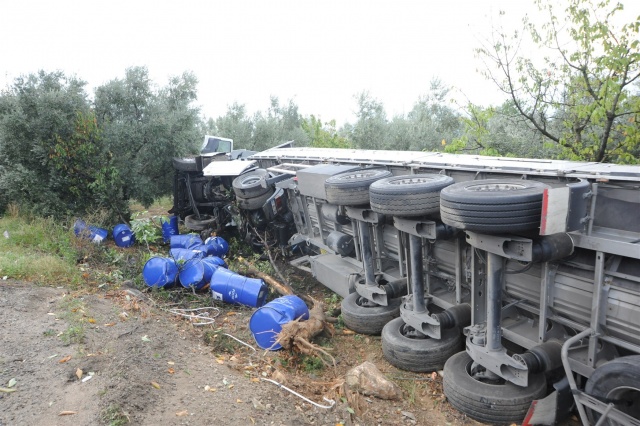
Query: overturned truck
[[519, 277]]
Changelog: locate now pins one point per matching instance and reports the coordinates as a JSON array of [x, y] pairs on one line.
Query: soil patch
[[121, 357]]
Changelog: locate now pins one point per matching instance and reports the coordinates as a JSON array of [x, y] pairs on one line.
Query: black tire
[[365, 319], [205, 222], [255, 202], [493, 205], [248, 185], [617, 381], [418, 354], [185, 164], [352, 188], [503, 403], [408, 195]]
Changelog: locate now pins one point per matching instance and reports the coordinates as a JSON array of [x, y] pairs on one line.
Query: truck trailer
[[520, 278]]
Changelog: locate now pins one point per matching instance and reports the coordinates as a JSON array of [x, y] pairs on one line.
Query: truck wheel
[[419, 354], [199, 224], [493, 205], [409, 195], [498, 402], [617, 381], [254, 202], [185, 164], [352, 188], [248, 185], [367, 319]]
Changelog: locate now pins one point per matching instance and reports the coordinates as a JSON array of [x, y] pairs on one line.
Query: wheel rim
[[359, 175], [251, 180], [410, 181], [495, 187], [625, 399]]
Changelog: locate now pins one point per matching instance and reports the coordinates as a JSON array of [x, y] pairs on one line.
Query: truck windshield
[[214, 144]]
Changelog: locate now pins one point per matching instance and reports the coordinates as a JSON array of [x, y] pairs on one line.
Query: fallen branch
[[267, 249], [279, 287]]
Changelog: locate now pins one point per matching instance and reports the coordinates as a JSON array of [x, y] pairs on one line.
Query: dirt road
[[112, 358]]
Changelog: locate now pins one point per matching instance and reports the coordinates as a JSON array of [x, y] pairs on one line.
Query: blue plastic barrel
[[169, 228], [267, 322], [184, 254], [90, 232], [235, 288], [217, 261], [185, 241], [197, 272], [206, 249], [219, 246], [160, 272], [123, 236]]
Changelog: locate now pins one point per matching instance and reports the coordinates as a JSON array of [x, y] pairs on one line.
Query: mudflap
[[552, 409]]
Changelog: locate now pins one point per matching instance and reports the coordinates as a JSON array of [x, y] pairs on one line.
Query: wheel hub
[[481, 374], [409, 180], [625, 399], [495, 187], [366, 303], [411, 333]]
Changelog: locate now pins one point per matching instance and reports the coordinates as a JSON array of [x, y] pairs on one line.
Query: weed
[[144, 229], [311, 363], [49, 333], [220, 342], [340, 324], [333, 299], [73, 334], [114, 416], [411, 387], [72, 312]]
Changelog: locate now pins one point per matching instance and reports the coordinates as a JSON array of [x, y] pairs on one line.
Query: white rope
[[205, 318], [331, 401], [240, 341]]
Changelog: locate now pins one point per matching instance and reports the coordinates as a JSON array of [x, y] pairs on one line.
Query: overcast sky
[[317, 53]]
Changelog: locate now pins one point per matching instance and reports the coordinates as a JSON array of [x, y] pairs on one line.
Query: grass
[[73, 312], [44, 251], [311, 363], [113, 415], [37, 250], [220, 343], [159, 206]]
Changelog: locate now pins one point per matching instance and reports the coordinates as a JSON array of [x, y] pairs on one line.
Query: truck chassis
[[514, 313]]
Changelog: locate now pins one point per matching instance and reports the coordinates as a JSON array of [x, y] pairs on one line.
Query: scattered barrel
[[235, 288], [123, 236], [267, 322], [160, 272], [93, 233], [169, 228]]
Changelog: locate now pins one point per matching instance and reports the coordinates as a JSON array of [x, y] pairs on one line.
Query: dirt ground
[[118, 356]]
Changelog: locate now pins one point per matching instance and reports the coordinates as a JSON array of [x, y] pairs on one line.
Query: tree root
[[297, 335]]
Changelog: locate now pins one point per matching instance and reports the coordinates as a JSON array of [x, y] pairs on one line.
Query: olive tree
[[53, 161], [145, 126], [581, 94]]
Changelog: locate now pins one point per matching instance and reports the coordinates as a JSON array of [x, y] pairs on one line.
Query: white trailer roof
[[418, 159]]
